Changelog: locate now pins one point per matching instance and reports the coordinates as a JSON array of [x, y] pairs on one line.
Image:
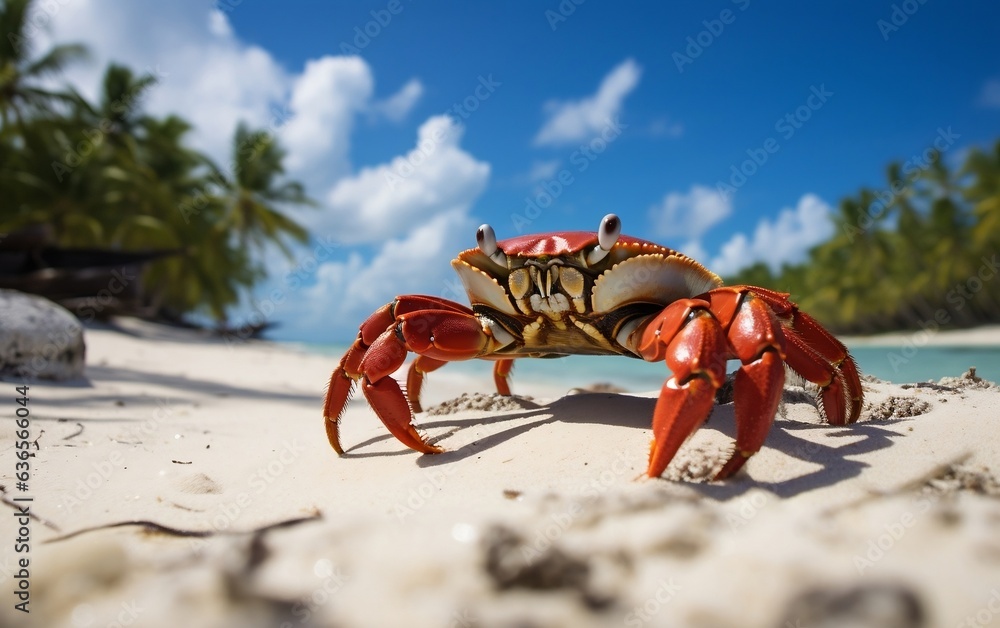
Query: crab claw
[[387, 400], [437, 330], [757, 339], [693, 344]]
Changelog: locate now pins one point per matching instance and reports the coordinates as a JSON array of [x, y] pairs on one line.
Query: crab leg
[[845, 369], [756, 338], [693, 344], [415, 378], [501, 375], [819, 357], [350, 368], [804, 359], [348, 371], [439, 335], [424, 365], [384, 395]]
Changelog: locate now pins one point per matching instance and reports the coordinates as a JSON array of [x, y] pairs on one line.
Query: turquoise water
[[892, 363], [901, 365]]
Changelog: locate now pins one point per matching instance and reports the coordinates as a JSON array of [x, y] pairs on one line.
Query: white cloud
[[664, 127], [229, 85], [543, 170], [322, 107], [214, 80], [418, 259], [689, 215], [436, 177], [990, 95], [397, 106], [205, 74], [579, 120], [218, 24], [784, 240], [347, 291]]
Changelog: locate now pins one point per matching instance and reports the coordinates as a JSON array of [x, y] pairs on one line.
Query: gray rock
[[38, 339]]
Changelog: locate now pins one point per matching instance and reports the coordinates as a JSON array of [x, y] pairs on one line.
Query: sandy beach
[[983, 336], [188, 482]]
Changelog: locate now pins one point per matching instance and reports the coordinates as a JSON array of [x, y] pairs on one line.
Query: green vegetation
[[921, 249], [107, 175]]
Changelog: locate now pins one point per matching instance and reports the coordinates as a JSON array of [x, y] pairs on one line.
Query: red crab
[[603, 293]]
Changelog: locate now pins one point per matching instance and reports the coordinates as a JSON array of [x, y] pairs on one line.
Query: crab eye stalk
[[486, 239], [607, 235]]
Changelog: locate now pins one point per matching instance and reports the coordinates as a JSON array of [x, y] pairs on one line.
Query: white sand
[[984, 336], [535, 517]]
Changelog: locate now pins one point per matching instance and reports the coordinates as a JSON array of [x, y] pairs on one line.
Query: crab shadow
[[834, 462]]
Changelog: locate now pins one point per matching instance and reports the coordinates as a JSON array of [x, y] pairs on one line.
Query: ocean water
[[893, 363]]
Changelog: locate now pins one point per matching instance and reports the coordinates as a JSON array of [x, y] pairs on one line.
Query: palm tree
[[983, 193], [20, 91], [167, 177], [122, 96], [254, 193], [177, 198], [108, 175], [949, 219], [845, 274], [897, 267]]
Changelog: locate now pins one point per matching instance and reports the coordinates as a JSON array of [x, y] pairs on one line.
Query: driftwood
[[79, 279]]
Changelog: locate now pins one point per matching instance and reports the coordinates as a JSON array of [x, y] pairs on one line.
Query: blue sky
[[403, 177]]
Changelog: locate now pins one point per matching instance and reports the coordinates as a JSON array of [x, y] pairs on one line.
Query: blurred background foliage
[[106, 175], [922, 247]]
